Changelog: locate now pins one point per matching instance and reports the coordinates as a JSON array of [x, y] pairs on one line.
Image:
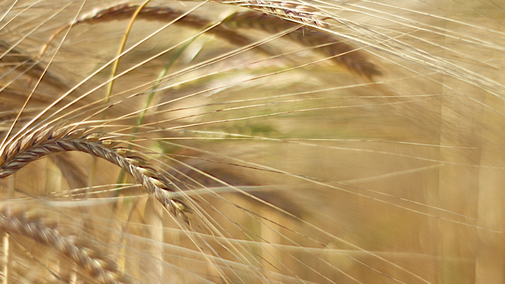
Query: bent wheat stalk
[[50, 140]]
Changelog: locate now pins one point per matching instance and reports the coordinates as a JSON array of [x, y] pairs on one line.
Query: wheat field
[[253, 141]]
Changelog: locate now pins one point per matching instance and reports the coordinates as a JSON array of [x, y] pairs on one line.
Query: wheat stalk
[[49, 140], [16, 221]]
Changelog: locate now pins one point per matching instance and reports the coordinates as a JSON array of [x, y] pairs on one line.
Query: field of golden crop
[[252, 141]]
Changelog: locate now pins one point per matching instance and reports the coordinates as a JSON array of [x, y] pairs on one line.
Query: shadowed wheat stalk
[[251, 142]]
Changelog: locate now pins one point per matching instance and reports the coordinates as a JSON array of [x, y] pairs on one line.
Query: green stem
[[153, 93]]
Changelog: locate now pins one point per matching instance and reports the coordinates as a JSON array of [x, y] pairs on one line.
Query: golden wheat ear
[[50, 140]]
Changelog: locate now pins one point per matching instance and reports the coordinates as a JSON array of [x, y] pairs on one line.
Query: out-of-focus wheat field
[[313, 142]]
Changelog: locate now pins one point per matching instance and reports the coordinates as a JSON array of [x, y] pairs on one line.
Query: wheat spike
[[293, 11], [164, 14], [297, 12], [326, 43], [30, 147], [15, 221]]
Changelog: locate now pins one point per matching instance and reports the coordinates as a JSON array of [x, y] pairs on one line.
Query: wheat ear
[[49, 140], [326, 43], [160, 14], [95, 263], [292, 11]]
